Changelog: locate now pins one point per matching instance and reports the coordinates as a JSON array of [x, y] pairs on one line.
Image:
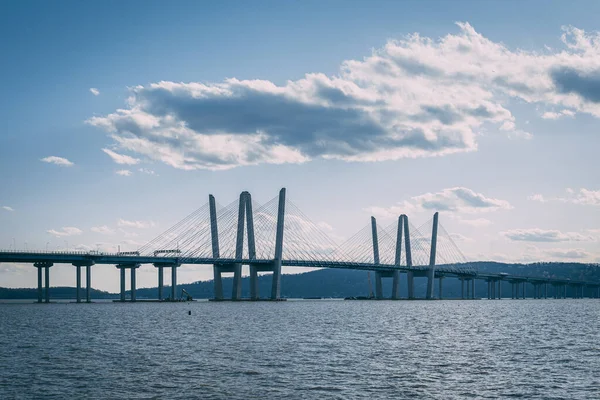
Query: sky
[[120, 118]]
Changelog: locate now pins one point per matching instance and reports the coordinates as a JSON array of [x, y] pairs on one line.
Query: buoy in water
[[190, 312]]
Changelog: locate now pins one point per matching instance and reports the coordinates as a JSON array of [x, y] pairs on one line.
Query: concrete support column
[[40, 291], [375, 245], [122, 275], [214, 234], [218, 283], [88, 283], [462, 288], [523, 290], [133, 288], [276, 285], [410, 277], [161, 282], [499, 290], [431, 270], [468, 289], [47, 283], [174, 282], [396, 275], [78, 283], [440, 288], [472, 289], [545, 290], [236, 291], [489, 290]]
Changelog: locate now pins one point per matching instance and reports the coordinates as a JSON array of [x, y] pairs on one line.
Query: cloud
[[572, 254], [557, 115], [414, 97], [135, 224], [121, 158], [94, 91], [65, 231], [477, 222], [58, 161], [147, 171], [105, 230], [123, 172], [456, 199], [7, 208], [543, 235], [583, 197]]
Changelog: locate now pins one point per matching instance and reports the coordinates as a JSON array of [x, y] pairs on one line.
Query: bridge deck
[[116, 259]]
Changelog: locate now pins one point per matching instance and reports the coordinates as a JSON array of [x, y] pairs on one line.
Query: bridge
[[275, 234]]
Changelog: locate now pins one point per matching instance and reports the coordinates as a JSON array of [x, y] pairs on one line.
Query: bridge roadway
[[44, 260]]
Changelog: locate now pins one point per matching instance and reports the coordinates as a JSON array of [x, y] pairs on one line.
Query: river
[[531, 349]]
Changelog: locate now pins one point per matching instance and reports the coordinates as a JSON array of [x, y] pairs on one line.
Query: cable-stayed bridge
[[277, 233]]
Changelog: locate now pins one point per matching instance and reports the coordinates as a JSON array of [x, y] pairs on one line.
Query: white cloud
[[123, 172], [58, 161], [413, 97], [94, 91], [557, 115], [7, 208], [583, 196], [121, 158], [477, 222], [135, 224], [105, 230], [544, 235], [572, 254], [66, 231], [456, 199], [147, 171]]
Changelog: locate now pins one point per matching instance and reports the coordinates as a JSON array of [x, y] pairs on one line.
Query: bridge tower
[[245, 214], [395, 275], [236, 268], [410, 276], [431, 270]]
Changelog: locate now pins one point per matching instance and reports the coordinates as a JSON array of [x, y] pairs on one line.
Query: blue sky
[[492, 121]]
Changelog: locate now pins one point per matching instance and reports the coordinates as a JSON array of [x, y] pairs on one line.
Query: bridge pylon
[[431, 270], [245, 215], [395, 275]]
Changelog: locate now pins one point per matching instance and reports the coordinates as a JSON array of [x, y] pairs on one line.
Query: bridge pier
[[161, 282], [45, 265], [133, 267], [462, 288], [78, 283], [133, 284], [440, 293], [174, 282], [499, 290], [88, 280]]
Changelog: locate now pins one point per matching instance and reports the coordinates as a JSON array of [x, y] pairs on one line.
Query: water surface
[[528, 349]]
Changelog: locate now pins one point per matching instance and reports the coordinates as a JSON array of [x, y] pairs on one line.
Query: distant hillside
[[341, 283]]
